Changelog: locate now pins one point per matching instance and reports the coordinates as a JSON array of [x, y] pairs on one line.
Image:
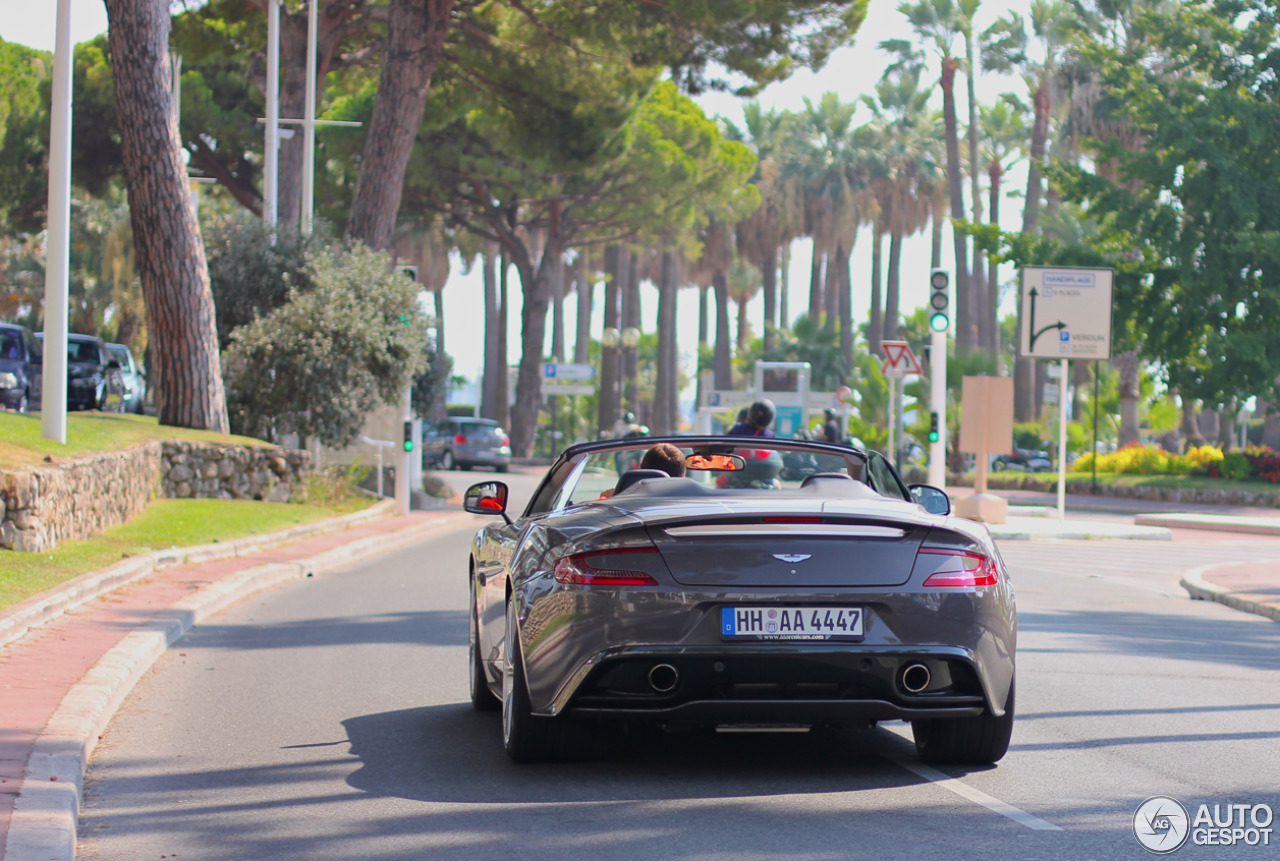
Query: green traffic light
[[939, 322], [408, 445], [933, 436]]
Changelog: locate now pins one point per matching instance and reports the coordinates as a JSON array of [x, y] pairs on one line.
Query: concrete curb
[[1212, 522], [39, 609], [1201, 589], [45, 814]]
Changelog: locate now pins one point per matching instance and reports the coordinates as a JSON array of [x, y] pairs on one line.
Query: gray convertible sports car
[[732, 599]]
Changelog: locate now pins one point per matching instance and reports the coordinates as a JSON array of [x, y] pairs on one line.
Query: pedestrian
[[831, 428], [759, 416]]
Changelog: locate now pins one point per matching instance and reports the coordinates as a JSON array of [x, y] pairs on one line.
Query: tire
[[482, 699], [446, 460], [501, 467], [527, 738], [465, 467], [981, 740]]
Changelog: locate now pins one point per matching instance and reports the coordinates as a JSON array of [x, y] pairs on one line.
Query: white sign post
[[898, 362], [1064, 313]]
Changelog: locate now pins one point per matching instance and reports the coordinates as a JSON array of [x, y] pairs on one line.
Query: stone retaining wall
[[41, 506]]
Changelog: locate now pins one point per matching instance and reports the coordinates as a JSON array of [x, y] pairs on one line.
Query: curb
[[41, 608], [46, 810], [1201, 589], [1212, 523]]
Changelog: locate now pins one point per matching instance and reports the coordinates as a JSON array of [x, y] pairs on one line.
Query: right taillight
[[460, 439], [960, 569]]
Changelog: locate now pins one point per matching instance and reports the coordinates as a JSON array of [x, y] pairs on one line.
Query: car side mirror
[[489, 497], [932, 499]]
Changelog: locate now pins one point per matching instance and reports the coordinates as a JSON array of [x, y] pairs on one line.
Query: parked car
[[843, 599], [1022, 460], [21, 369], [465, 442], [94, 381], [133, 376]]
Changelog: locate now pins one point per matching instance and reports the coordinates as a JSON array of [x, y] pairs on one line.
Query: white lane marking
[[951, 784]]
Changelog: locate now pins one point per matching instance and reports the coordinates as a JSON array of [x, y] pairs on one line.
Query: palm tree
[[769, 226], [907, 171], [1004, 133], [831, 168], [937, 23], [743, 284]]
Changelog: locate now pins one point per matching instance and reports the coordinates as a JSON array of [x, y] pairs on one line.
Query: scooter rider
[[759, 416]]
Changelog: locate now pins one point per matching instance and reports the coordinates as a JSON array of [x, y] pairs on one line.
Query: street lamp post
[[53, 417]]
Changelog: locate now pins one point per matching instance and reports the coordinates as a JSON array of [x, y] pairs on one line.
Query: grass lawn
[[163, 524], [22, 443]]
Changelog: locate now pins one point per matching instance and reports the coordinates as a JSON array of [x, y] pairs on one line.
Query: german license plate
[[791, 623]]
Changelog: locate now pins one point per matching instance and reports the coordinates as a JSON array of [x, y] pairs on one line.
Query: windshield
[[10, 346], [83, 351], [763, 464]]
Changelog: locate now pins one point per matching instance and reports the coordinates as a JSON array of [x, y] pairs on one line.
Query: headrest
[[631, 476], [823, 476]]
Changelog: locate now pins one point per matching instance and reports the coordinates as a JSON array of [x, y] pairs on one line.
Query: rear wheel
[[502, 467], [526, 737], [980, 740], [481, 697], [446, 460]]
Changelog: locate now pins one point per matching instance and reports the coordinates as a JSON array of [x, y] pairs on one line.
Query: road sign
[[898, 359], [1065, 313], [567, 371], [562, 389]]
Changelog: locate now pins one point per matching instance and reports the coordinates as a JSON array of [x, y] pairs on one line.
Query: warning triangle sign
[[899, 360]]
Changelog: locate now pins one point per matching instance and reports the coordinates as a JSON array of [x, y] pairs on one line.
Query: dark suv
[[464, 443], [21, 369], [94, 381]]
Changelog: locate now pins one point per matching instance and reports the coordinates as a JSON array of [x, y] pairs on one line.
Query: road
[[328, 719]]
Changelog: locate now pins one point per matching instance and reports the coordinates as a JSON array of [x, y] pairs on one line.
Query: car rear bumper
[[813, 686]]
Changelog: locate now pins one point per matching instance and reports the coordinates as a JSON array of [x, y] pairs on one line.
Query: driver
[[666, 457]]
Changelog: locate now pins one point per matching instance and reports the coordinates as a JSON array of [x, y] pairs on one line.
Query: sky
[[851, 73]]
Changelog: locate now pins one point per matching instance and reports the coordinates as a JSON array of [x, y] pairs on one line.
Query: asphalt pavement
[[69, 656]]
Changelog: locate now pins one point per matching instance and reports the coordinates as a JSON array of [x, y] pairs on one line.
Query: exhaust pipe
[[915, 678], [663, 678]]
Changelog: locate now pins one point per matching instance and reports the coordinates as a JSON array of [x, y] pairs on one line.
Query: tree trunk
[[663, 420], [966, 328], [743, 327], [992, 309], [1190, 427], [438, 304], [816, 301], [535, 285], [582, 335], [609, 399], [1127, 365], [1270, 424], [502, 386], [892, 287], [185, 366], [724, 362], [769, 276], [935, 239], [875, 328], [844, 303], [1039, 135], [416, 31], [1024, 401], [488, 397], [631, 320], [1227, 425], [784, 286], [831, 287], [977, 277], [557, 309]]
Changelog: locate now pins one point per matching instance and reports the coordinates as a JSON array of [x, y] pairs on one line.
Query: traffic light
[[939, 300], [408, 436], [933, 427]]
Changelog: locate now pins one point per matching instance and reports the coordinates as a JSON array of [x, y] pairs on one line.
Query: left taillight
[[960, 569], [623, 567], [460, 439]]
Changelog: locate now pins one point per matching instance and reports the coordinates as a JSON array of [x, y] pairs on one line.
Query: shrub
[[1264, 462], [321, 362], [1234, 466]]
